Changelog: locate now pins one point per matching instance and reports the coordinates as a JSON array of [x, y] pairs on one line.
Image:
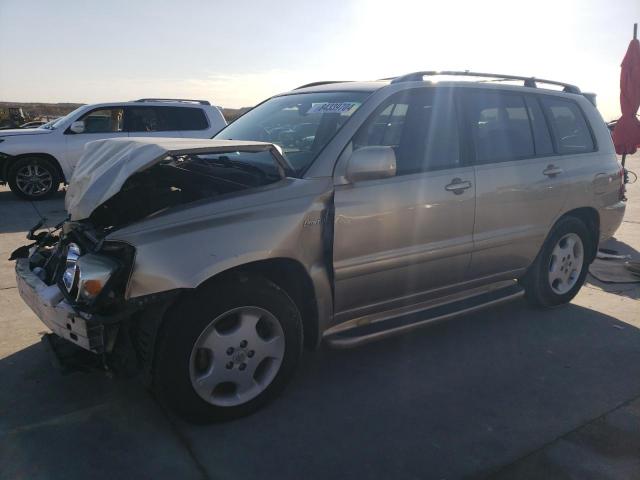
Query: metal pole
[[624, 155]]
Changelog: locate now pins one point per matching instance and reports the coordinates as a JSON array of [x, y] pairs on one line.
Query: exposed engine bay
[[182, 179], [66, 254], [75, 275]]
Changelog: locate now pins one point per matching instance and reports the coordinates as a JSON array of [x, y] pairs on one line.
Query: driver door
[[397, 238], [100, 123]]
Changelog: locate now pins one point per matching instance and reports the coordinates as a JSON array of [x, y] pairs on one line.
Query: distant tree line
[[35, 111]]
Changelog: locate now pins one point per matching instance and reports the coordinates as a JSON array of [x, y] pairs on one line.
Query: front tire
[[227, 350], [561, 267], [33, 178]]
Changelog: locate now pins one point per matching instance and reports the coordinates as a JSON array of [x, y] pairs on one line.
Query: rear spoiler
[[591, 97]]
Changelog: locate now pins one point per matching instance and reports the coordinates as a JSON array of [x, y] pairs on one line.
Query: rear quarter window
[[571, 134], [191, 118]]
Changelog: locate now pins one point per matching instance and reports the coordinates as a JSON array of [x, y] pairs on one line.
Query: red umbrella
[[626, 135]]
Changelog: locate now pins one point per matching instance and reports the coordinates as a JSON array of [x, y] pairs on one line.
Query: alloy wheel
[[34, 180], [565, 264]]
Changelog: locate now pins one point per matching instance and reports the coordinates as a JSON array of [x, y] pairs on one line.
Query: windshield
[[48, 124], [300, 124], [56, 123]]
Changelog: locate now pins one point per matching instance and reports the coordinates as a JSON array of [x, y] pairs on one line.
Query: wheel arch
[[591, 218], [292, 277]]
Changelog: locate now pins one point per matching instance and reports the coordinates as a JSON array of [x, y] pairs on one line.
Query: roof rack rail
[[528, 81], [184, 100], [315, 84]]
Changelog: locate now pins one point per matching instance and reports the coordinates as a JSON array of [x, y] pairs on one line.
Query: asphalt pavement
[[509, 392]]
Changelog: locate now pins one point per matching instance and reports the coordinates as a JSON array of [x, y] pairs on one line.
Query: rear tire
[[227, 350], [560, 269], [33, 178]]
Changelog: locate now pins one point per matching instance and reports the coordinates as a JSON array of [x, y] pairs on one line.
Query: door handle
[[552, 171], [458, 186]]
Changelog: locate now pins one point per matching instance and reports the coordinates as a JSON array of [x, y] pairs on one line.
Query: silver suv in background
[[35, 161], [338, 211]]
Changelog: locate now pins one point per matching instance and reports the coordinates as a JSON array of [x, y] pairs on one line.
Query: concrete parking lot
[[508, 392]]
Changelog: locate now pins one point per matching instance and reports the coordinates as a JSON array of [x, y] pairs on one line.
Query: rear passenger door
[[396, 238], [520, 188]]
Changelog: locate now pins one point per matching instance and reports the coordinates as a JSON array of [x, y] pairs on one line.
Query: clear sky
[[236, 53]]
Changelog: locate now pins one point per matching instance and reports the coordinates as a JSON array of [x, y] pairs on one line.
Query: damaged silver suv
[[337, 211]]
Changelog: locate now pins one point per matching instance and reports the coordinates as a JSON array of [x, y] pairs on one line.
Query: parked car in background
[[338, 211], [34, 124], [34, 161], [11, 117]]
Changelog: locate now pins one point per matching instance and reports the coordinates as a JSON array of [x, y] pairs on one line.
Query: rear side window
[[499, 126], [165, 119], [151, 119], [570, 130]]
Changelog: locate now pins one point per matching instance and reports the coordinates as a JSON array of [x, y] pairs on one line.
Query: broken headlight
[[94, 272], [88, 276], [70, 274]]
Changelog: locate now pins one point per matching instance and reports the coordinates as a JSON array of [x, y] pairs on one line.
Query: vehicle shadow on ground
[[458, 398], [82, 425], [622, 248]]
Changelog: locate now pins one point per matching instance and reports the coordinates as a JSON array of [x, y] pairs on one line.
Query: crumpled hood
[[11, 132], [107, 164]]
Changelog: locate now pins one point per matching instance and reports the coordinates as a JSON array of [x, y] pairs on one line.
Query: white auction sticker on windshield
[[326, 107]]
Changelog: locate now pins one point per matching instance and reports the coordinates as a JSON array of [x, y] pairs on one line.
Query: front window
[[105, 120], [421, 127], [300, 124]]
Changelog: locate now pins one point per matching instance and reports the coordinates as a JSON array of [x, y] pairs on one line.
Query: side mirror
[[371, 163], [77, 126]]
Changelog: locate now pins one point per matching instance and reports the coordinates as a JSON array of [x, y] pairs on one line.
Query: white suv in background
[[35, 161]]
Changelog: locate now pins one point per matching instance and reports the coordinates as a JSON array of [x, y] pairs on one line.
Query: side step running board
[[377, 330]]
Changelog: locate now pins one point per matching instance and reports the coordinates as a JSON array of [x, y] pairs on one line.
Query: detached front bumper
[[90, 332]]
